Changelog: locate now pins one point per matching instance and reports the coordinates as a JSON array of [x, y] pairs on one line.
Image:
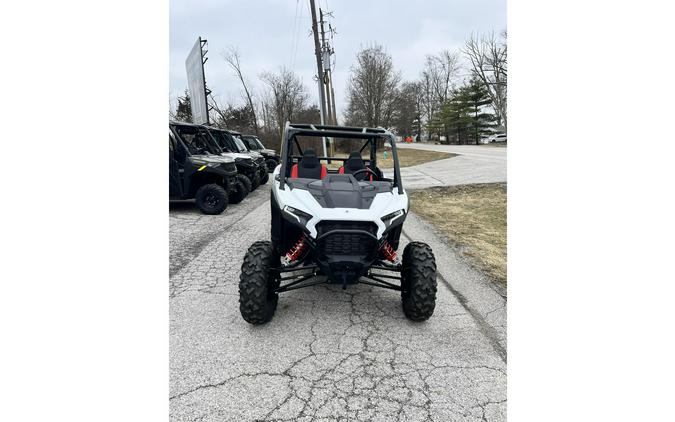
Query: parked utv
[[195, 174], [245, 165], [337, 226], [271, 157], [230, 141]]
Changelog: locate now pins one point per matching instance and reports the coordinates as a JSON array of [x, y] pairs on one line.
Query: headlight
[[392, 215], [301, 216], [213, 164], [389, 219]]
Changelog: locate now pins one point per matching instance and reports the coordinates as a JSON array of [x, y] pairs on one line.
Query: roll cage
[[202, 132], [370, 135]]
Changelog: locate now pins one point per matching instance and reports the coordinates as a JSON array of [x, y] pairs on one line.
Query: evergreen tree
[[456, 116], [463, 115], [184, 110], [477, 98]]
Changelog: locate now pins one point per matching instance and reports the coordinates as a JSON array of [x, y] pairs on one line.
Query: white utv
[[339, 225]]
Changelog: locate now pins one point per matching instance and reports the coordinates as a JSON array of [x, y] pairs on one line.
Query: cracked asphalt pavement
[[328, 354]]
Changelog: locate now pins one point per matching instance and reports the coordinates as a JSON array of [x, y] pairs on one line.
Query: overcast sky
[[272, 33]]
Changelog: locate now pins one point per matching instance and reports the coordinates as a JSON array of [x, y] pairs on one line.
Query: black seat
[[309, 167], [353, 164]]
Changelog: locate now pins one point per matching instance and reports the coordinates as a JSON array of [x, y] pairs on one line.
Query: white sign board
[[197, 84]]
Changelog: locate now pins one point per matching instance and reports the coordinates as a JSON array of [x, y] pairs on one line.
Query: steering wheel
[[366, 170]]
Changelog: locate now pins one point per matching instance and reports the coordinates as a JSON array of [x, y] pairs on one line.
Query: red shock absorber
[[388, 252], [297, 250]]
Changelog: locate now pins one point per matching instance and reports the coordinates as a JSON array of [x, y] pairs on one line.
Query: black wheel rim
[[211, 200]]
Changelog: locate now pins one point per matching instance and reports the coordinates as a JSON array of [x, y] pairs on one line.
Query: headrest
[[355, 162], [309, 159]]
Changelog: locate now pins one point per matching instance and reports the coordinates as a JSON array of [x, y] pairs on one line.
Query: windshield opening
[[240, 144], [350, 154], [222, 141], [341, 151], [253, 142], [197, 141], [250, 143]]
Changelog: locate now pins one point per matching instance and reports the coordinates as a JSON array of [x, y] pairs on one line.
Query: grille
[[346, 243]]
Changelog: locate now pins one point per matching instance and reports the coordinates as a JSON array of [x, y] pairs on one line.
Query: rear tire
[[241, 191], [257, 300], [271, 165], [246, 181], [211, 199], [418, 280]]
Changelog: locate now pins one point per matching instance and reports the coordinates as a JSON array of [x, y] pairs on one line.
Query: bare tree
[[268, 123], [429, 101], [231, 116], [218, 111], [437, 81], [408, 114], [372, 89], [487, 55], [442, 69], [286, 96], [232, 58], [269, 131]]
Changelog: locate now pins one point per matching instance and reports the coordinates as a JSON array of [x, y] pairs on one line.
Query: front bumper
[[344, 251], [267, 156]]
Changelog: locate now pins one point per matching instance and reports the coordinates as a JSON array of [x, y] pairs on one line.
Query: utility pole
[[328, 79], [325, 56], [327, 52], [332, 97], [319, 69]]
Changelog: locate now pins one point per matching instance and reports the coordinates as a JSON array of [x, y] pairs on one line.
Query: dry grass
[[407, 157], [471, 216], [411, 157]]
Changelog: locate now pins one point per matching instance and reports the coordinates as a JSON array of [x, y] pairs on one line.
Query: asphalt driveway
[[473, 164], [328, 354]]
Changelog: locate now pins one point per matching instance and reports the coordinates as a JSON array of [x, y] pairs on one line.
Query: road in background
[[328, 354], [474, 164]]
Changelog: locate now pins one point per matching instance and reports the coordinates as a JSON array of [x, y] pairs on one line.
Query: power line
[[294, 36]]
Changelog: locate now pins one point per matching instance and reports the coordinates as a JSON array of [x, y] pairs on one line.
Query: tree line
[[460, 101], [444, 102]]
